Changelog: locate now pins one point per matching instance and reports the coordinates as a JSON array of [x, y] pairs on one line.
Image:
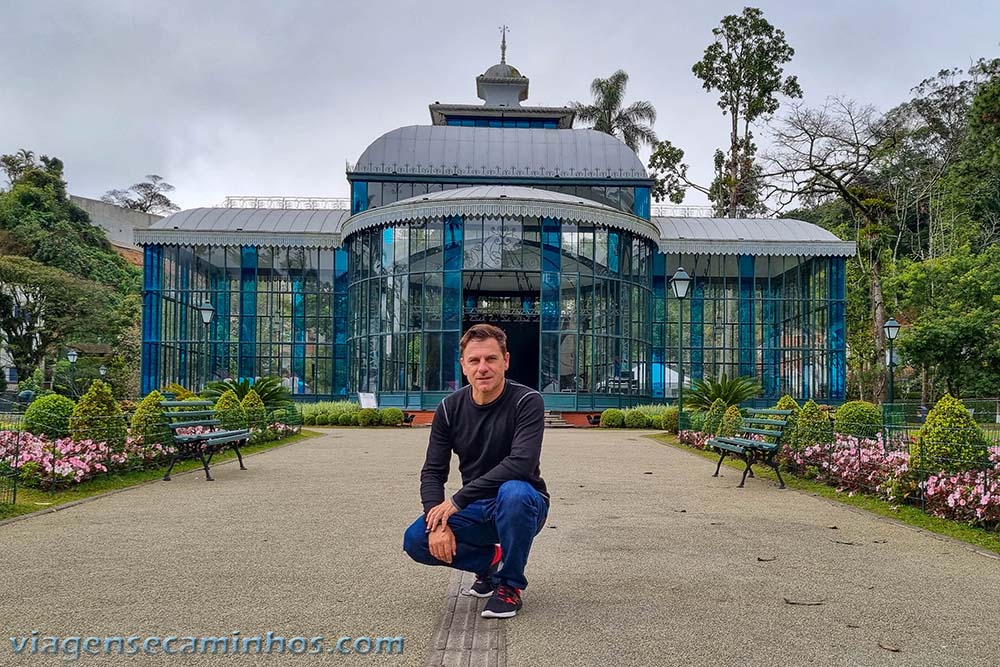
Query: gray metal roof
[[749, 236], [499, 192], [500, 201], [248, 226], [447, 150]]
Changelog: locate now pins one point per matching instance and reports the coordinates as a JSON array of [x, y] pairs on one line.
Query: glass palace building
[[495, 213]]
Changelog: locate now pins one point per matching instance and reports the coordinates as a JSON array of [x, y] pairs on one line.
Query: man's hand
[[442, 543], [438, 515]]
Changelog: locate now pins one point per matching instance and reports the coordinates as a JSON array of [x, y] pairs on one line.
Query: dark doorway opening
[[509, 300]]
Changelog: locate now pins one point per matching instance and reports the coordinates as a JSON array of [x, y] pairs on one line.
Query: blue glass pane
[[550, 244], [746, 321], [453, 250], [248, 311], [452, 300], [697, 330], [550, 302], [359, 196], [151, 316], [641, 205], [298, 334], [613, 251], [838, 351]]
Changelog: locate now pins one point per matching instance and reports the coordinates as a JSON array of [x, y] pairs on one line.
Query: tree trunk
[[878, 333], [925, 386], [733, 166]]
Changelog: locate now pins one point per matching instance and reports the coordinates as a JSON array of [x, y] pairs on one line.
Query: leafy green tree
[[37, 210], [633, 124], [149, 196], [42, 307], [745, 66]]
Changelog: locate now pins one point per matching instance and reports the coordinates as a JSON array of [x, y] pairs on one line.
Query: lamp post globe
[[891, 330], [72, 355]]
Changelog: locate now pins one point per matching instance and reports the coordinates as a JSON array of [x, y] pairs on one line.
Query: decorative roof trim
[[409, 212], [227, 238], [759, 248], [468, 170]]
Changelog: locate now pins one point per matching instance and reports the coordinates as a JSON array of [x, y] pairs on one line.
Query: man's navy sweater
[[495, 443]]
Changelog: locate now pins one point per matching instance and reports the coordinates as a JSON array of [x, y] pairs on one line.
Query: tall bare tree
[[149, 196]]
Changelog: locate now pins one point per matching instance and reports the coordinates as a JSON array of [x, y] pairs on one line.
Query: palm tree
[[633, 124]]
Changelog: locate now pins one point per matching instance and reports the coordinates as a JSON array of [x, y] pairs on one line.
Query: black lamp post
[[680, 283], [72, 355], [103, 370], [891, 329], [207, 311]]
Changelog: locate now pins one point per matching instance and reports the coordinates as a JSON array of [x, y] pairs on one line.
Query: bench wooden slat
[[760, 431], [200, 422], [772, 412], [190, 414], [185, 404], [765, 422], [191, 437], [230, 436]]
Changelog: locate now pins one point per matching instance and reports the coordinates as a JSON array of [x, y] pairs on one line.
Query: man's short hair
[[481, 332]]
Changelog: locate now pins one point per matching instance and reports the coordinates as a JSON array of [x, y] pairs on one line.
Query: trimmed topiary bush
[[635, 419], [669, 420], [230, 412], [950, 440], [149, 421], [256, 413], [858, 418], [813, 427], [390, 417], [322, 419], [694, 421], [98, 418], [713, 422], [368, 417], [49, 416], [309, 420], [355, 418], [656, 422], [346, 419], [612, 418], [786, 402], [732, 421]]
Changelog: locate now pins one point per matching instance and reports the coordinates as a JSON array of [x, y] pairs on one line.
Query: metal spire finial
[[503, 44]]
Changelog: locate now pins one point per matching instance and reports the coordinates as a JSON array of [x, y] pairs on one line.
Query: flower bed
[[53, 463], [869, 465]]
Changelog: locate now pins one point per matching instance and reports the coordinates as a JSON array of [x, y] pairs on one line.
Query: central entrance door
[[509, 300]]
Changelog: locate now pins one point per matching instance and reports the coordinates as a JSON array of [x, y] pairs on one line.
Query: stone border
[[464, 638]]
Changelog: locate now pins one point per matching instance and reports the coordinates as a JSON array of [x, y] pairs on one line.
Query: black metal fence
[[57, 454]]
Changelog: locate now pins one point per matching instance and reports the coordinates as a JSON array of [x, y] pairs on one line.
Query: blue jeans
[[512, 519]]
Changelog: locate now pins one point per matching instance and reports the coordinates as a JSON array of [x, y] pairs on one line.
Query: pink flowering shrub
[[870, 465], [972, 496]]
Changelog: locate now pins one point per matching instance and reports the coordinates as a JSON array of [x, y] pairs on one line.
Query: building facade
[[495, 213]]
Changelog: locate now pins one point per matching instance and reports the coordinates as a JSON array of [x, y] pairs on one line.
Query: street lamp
[[891, 329], [679, 283], [207, 311], [103, 370], [72, 355]]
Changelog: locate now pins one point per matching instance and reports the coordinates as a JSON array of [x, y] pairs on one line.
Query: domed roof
[[502, 71], [449, 150]]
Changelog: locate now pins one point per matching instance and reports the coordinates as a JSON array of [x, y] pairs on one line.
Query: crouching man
[[495, 427]]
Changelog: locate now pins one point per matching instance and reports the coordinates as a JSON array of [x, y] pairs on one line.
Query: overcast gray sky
[[272, 98]]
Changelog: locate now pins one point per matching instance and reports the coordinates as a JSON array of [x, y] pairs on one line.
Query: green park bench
[[770, 424], [201, 446]]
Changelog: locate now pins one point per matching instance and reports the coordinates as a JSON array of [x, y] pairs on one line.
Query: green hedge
[[713, 422], [949, 440], [612, 418], [732, 421], [858, 418], [390, 417], [49, 416], [812, 427], [230, 412], [635, 419], [254, 408], [97, 417], [150, 422]]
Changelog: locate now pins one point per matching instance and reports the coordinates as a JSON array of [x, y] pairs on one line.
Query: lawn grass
[[908, 514], [33, 500]]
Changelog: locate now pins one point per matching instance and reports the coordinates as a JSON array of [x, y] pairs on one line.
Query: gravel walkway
[[668, 568]]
